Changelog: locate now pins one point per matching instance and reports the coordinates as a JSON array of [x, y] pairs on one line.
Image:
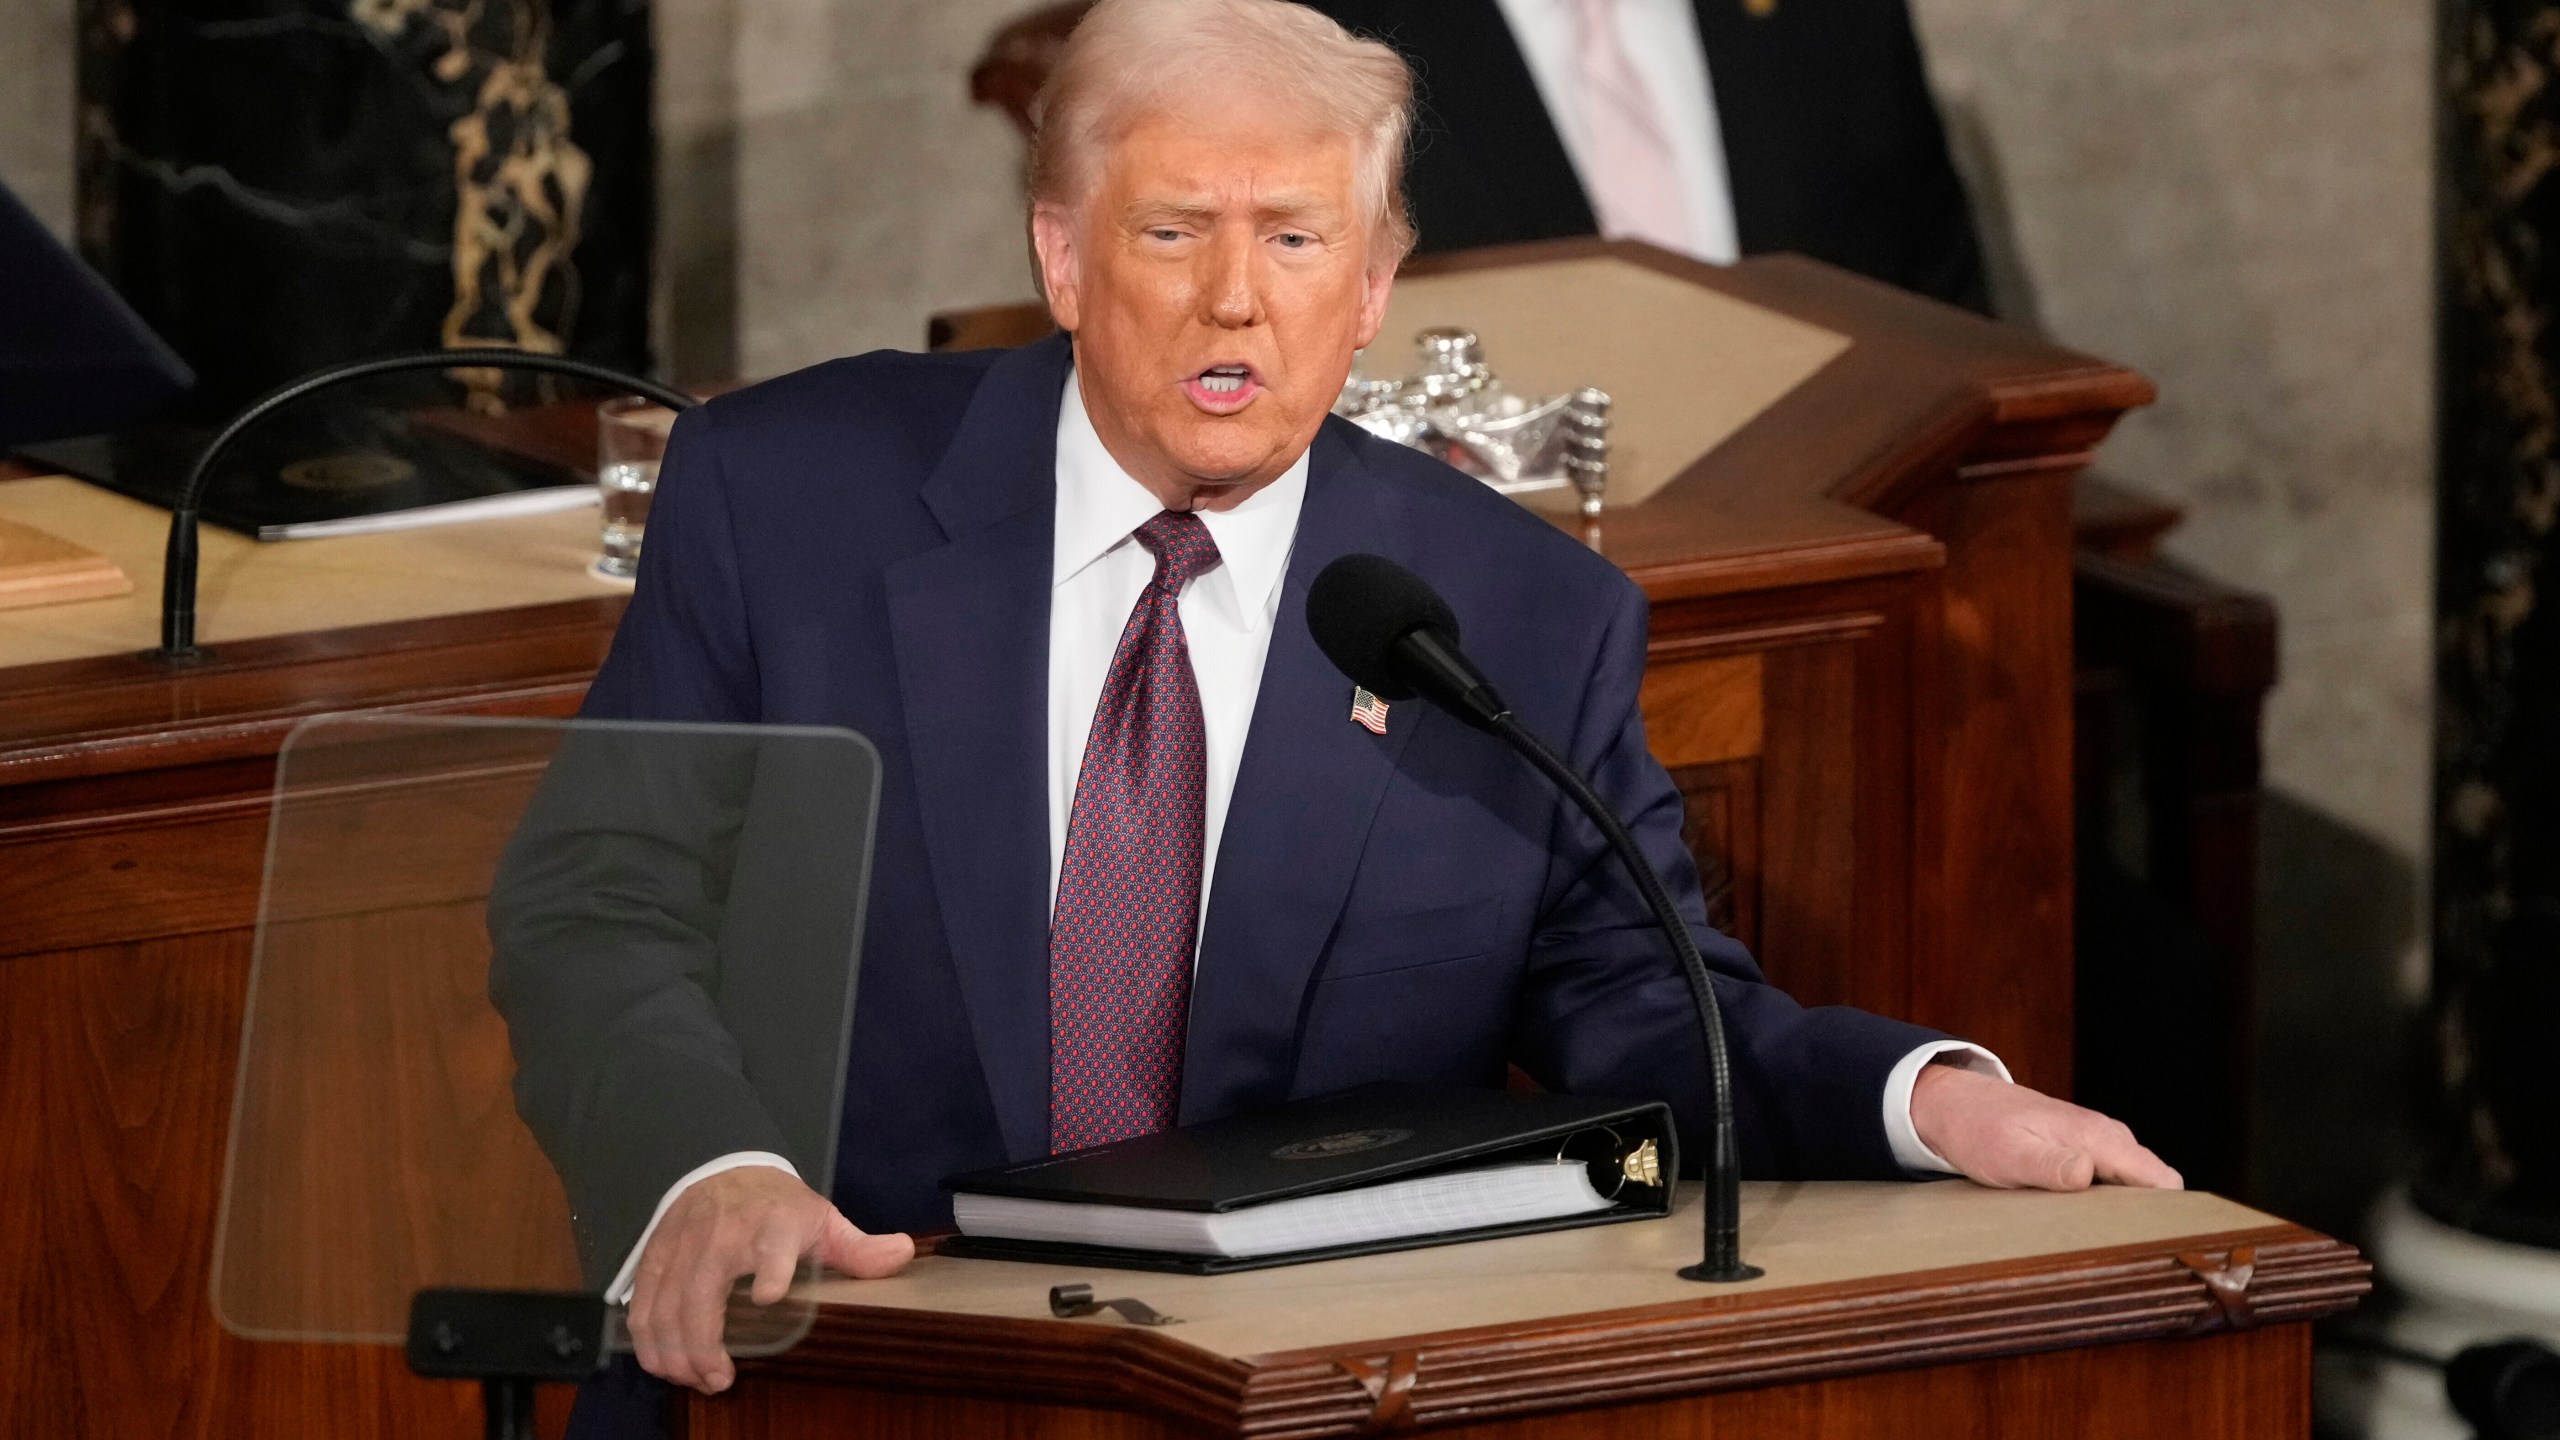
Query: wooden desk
[[1861, 680], [247, 590], [1888, 1310]]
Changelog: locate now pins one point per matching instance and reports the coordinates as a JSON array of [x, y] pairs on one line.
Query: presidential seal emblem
[[1349, 1142]]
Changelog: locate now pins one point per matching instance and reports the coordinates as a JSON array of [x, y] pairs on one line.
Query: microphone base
[[1732, 1274]]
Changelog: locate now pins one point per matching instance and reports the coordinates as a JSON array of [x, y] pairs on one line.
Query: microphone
[[1387, 629], [178, 572]]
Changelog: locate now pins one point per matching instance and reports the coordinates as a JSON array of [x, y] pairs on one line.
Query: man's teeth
[[1222, 381]]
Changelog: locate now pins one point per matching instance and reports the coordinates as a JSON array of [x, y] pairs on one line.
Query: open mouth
[[1223, 389]]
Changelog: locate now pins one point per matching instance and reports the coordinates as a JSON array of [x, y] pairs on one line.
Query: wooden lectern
[[1888, 1311], [1859, 554]]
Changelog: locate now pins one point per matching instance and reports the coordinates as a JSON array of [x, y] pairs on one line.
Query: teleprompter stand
[[433, 984], [511, 1341]]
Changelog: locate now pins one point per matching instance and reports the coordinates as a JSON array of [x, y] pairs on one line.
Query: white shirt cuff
[[619, 1292], [1908, 1151]]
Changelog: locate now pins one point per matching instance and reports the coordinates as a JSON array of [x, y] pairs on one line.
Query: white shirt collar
[[1100, 506]]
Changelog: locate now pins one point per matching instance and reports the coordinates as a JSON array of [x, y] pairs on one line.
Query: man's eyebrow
[[1141, 213], [1286, 205], [1299, 205]]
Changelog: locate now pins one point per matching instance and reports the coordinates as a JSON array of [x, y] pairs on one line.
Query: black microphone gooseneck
[[178, 571], [1395, 637]]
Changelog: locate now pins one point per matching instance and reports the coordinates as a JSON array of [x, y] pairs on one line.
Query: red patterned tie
[[1120, 940]]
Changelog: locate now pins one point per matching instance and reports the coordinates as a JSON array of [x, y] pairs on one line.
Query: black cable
[[178, 572], [1723, 1260]]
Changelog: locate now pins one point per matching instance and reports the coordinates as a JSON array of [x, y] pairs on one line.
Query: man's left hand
[[2013, 1138]]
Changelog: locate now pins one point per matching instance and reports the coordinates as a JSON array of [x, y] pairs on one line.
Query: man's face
[[1217, 282]]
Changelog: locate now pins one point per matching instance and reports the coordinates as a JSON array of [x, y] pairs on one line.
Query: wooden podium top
[[1685, 365], [246, 589], [1860, 1277], [492, 616]]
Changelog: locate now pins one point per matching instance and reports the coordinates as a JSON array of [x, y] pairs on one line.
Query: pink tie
[[1635, 188]]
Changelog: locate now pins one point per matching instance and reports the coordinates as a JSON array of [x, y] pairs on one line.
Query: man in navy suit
[[1138, 864]]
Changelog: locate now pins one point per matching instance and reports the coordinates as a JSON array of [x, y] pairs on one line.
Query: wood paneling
[[2253, 1385], [1702, 712], [129, 875], [376, 1149], [1822, 882], [1809, 830], [118, 1061], [2002, 835], [79, 719], [1826, 879], [2245, 1387], [1848, 1334], [2173, 672], [146, 874]]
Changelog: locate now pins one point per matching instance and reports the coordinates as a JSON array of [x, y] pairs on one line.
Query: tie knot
[[1181, 545]]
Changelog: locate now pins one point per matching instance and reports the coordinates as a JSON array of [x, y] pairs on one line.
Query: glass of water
[[631, 438]]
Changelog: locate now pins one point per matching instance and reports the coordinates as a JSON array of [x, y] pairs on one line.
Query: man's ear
[[1053, 241], [1376, 286]]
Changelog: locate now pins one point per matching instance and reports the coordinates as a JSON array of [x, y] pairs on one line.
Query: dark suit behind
[[1832, 143], [867, 544]]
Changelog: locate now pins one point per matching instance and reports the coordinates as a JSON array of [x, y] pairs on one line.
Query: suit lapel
[[970, 622], [1308, 784]]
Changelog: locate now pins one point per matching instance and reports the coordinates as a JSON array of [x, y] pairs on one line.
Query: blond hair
[[1129, 57]]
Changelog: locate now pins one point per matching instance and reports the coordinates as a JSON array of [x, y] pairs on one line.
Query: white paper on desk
[[541, 501], [1506, 1194]]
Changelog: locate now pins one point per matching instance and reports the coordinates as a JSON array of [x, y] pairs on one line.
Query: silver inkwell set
[[1455, 408]]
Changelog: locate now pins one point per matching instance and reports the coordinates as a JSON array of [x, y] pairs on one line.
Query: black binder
[[1339, 1142], [320, 464]]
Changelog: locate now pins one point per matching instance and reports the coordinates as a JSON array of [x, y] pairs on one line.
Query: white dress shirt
[[1661, 37], [1098, 570]]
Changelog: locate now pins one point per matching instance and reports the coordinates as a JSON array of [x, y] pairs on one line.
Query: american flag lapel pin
[[1369, 711]]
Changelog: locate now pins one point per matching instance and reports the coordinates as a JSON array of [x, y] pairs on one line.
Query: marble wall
[[277, 186], [2497, 870], [38, 66], [2234, 199], [829, 184]]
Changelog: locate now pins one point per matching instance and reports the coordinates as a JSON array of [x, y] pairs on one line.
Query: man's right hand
[[754, 1220]]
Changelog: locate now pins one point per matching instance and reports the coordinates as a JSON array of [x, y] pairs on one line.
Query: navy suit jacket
[[867, 544]]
